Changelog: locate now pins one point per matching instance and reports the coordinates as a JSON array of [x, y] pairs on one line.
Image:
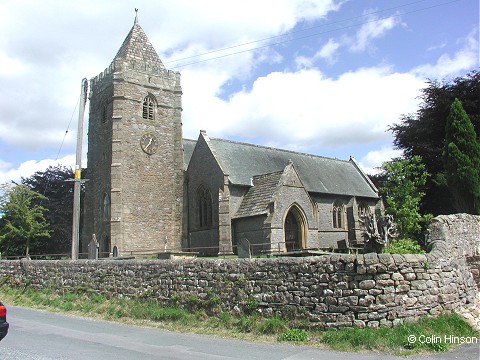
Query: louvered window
[[148, 108]]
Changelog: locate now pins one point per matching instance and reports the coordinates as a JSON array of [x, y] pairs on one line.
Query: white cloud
[[374, 28], [49, 54], [44, 56], [375, 158], [328, 51], [449, 66], [437, 47], [218, 23], [28, 168], [10, 67], [307, 108]]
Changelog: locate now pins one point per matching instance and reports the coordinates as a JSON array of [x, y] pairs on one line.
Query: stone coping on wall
[[331, 291]]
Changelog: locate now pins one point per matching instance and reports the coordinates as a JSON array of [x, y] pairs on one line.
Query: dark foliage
[[59, 204], [423, 133], [462, 161]]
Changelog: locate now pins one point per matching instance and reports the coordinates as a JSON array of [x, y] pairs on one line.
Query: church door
[[293, 230]]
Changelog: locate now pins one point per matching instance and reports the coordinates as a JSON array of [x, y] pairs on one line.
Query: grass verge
[[427, 335]]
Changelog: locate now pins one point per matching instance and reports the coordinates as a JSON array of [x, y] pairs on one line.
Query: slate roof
[[258, 197], [136, 46], [188, 147], [318, 174]]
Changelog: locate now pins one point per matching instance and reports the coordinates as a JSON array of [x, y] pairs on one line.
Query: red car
[[3, 321]]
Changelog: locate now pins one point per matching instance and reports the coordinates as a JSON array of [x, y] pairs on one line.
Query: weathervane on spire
[[136, 17]]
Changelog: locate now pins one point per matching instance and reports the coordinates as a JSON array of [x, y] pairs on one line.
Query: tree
[[401, 186], [462, 160], [22, 220], [423, 133], [59, 204]]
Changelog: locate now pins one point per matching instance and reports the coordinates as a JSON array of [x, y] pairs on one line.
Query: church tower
[[134, 196]]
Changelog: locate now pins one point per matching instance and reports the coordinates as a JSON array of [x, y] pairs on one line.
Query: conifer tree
[[423, 133], [462, 160]]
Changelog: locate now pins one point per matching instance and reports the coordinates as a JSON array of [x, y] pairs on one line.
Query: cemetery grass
[[204, 318]]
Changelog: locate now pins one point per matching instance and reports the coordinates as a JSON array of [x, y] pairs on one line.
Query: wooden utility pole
[[78, 172]]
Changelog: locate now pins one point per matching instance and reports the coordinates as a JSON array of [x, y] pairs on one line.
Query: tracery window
[[148, 108], [363, 210], [204, 207], [338, 211]]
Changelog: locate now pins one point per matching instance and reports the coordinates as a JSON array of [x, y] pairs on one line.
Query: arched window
[[363, 210], [338, 211], [148, 108], [204, 208]]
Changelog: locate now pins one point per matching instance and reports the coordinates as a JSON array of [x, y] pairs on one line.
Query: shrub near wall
[[337, 290]]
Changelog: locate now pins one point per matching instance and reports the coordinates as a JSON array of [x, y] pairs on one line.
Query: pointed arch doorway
[[294, 229]]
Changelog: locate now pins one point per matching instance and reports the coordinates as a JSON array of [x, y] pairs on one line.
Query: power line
[[292, 32], [66, 131], [306, 36], [48, 184]]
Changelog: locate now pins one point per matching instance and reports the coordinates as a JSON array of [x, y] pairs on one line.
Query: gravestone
[[243, 249], [93, 247]]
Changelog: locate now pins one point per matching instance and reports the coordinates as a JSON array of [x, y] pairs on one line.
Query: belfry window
[[338, 211], [204, 208], [148, 108]]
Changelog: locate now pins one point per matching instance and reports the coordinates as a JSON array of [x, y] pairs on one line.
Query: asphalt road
[[39, 335]]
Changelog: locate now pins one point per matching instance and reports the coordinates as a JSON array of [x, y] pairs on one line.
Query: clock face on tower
[[149, 143]]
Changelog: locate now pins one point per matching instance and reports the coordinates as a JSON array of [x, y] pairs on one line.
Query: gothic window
[[148, 108], [363, 210], [338, 211], [204, 208]]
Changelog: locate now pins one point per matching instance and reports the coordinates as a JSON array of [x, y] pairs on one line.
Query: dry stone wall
[[474, 264], [336, 290]]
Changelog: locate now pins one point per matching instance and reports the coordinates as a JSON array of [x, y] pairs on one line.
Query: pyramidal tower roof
[[136, 46]]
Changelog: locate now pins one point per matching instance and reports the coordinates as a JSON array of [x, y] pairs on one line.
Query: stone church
[[150, 190]]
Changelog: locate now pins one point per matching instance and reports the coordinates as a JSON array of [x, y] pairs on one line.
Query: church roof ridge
[[318, 174], [279, 149], [268, 174]]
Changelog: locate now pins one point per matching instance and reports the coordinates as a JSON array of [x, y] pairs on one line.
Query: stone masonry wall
[[336, 290], [460, 233], [474, 264]]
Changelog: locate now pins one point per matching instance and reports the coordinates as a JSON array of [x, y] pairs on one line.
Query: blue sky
[[322, 77]]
